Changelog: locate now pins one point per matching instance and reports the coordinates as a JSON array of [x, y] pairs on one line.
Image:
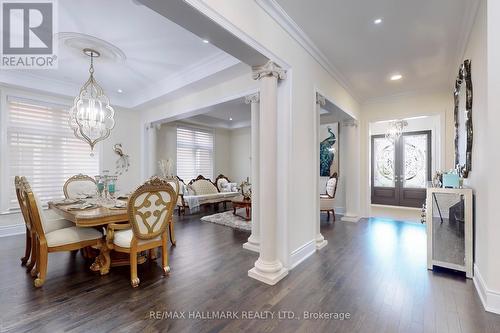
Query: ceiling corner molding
[[465, 32], [273, 9]]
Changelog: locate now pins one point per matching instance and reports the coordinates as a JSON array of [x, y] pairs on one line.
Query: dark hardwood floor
[[374, 270]]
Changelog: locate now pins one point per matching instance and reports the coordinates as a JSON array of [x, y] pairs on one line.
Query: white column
[[351, 157], [320, 240], [253, 242], [268, 268]]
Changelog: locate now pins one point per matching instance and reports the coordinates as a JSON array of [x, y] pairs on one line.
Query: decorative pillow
[[330, 186], [222, 184], [232, 187]]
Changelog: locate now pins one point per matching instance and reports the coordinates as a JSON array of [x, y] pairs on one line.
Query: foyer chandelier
[[91, 117], [396, 128]]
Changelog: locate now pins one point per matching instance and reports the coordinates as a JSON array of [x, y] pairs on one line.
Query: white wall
[[240, 154], [484, 52], [439, 105]]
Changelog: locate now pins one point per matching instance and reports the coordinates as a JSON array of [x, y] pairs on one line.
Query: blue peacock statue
[[326, 154]]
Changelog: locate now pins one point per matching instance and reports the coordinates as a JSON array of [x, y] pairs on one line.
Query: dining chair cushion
[[71, 235], [50, 225], [123, 238], [53, 225]]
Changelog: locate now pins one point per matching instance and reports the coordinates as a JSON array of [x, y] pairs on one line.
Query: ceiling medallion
[[395, 130], [91, 117]]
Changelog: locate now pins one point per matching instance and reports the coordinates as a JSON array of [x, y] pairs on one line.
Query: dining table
[[97, 215]]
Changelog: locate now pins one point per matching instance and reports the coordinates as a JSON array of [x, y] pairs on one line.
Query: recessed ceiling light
[[396, 77], [120, 91], [206, 41], [377, 21], [230, 118]]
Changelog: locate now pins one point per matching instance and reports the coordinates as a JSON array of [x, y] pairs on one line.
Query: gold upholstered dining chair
[[150, 210], [49, 240], [50, 225], [79, 186]]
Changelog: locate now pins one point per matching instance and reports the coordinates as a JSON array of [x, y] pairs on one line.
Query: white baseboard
[[489, 298], [340, 210], [347, 218], [11, 230], [302, 253]]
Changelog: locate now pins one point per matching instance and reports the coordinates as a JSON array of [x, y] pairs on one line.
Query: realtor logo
[[28, 29]]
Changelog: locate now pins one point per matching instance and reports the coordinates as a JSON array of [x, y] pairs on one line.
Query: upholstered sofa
[[202, 191]]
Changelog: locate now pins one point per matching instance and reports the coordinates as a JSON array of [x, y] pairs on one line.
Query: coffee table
[[240, 202]]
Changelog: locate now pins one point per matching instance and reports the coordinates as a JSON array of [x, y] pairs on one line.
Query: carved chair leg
[[41, 265], [328, 215], [134, 280], [27, 250], [34, 256], [171, 233], [164, 254], [333, 212]]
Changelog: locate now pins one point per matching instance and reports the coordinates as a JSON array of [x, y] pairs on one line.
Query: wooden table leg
[[102, 262]]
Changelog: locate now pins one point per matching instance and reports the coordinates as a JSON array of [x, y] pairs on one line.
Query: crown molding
[[193, 73], [472, 8], [273, 9]]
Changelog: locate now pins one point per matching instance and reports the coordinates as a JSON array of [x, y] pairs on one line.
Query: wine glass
[[112, 186]]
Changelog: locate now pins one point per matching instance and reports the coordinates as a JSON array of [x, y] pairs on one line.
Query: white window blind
[[43, 148], [195, 149]]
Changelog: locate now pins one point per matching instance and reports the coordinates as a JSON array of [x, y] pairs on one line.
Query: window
[[400, 170], [41, 146], [195, 149]]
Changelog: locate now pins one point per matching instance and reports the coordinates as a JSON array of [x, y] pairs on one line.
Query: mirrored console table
[[449, 220]]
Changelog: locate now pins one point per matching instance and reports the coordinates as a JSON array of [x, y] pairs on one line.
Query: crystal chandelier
[[91, 117], [395, 130]]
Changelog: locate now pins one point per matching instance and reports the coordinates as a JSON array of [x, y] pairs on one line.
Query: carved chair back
[[34, 208], [331, 185], [174, 182], [150, 208], [22, 202], [202, 185], [79, 185]]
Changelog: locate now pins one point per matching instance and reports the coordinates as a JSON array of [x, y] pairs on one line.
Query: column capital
[[253, 98], [350, 123], [320, 99], [269, 69]]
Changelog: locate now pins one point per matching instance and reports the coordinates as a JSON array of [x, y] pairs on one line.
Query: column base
[[252, 247], [321, 244], [268, 278], [349, 218], [268, 272]]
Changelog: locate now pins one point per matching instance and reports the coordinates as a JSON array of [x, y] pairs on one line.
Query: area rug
[[230, 220]]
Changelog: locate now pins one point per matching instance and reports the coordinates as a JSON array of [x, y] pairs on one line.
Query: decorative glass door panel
[[384, 159], [401, 169], [415, 166]]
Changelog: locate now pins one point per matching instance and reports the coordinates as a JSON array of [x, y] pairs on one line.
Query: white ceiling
[[158, 55], [218, 116], [423, 40]]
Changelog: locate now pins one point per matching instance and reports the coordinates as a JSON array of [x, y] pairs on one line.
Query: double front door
[[400, 169]]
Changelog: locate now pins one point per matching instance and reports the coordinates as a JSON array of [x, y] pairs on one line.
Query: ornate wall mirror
[[463, 119]]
